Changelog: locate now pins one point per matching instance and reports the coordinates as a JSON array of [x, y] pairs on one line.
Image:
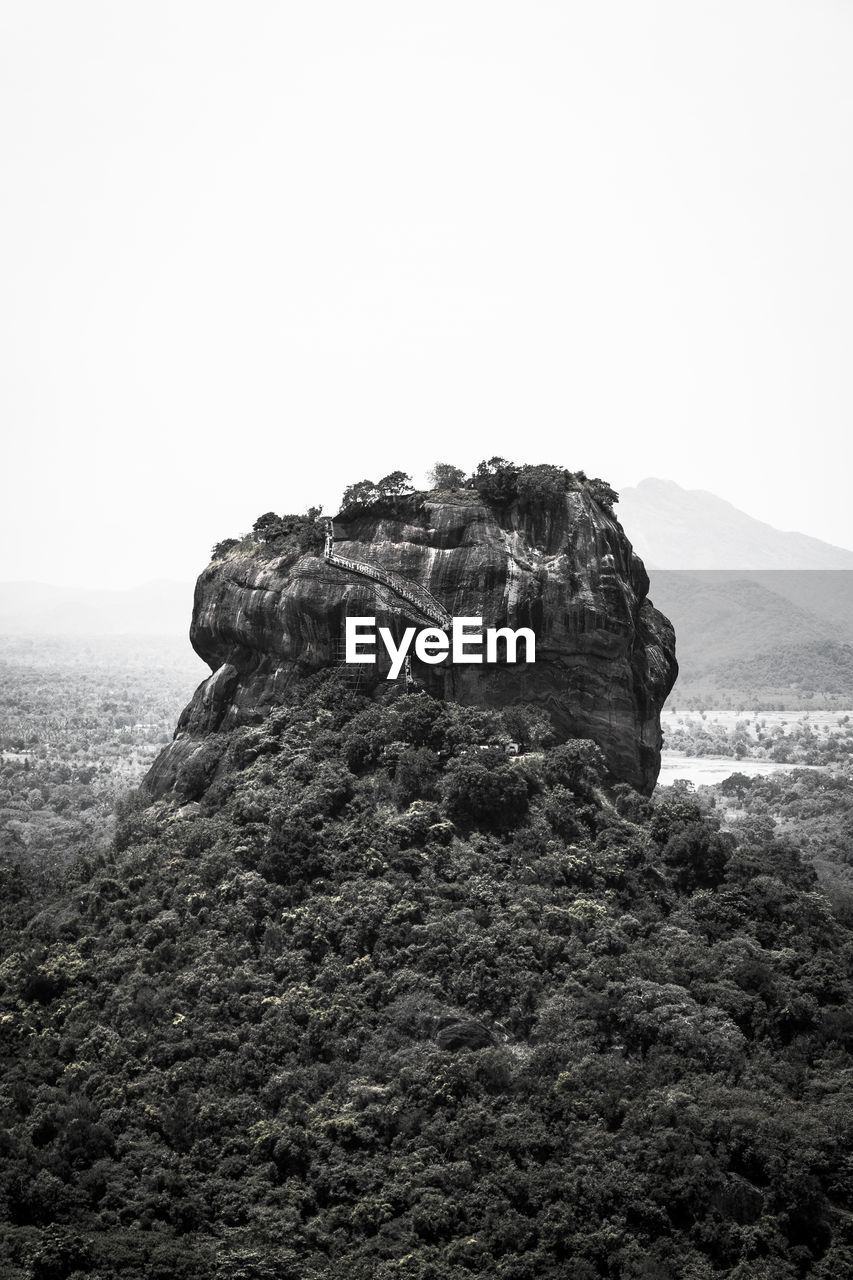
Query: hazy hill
[[675, 528], [754, 608], [39, 609], [762, 632], [718, 618]]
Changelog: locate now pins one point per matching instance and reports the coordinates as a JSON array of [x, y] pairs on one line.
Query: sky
[[252, 252]]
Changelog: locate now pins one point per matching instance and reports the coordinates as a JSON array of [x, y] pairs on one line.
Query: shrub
[[415, 776], [543, 483], [496, 480], [445, 476], [483, 791], [577, 764], [601, 492], [221, 549]]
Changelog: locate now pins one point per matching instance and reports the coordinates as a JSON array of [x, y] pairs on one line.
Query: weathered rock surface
[[605, 657]]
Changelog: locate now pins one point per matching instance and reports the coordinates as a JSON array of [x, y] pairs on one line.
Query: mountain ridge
[[676, 528]]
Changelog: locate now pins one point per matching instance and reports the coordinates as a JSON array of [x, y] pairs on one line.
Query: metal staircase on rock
[[415, 594]]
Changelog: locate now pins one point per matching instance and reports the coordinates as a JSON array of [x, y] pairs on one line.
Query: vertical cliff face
[[605, 657]]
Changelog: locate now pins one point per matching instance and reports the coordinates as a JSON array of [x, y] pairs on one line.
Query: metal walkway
[[415, 594]]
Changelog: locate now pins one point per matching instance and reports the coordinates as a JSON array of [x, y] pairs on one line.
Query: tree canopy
[[366, 493], [443, 475], [381, 1001]]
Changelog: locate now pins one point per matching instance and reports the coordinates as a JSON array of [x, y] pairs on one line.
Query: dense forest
[[379, 1000], [81, 719], [811, 807], [824, 738]]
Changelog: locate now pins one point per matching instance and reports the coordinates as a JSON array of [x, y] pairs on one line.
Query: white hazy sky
[[254, 251]]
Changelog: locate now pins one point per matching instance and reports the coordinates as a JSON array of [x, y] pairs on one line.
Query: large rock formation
[[605, 658]]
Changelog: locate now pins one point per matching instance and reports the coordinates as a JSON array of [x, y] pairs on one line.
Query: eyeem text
[[463, 643]]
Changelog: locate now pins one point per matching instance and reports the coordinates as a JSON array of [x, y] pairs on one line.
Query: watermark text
[[463, 642]]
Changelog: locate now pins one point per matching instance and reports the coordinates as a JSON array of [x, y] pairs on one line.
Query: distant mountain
[[753, 608], [825, 669], [719, 616], [675, 528], [719, 619], [38, 609], [763, 631]]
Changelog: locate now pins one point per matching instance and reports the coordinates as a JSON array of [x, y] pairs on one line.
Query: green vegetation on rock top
[[496, 481]]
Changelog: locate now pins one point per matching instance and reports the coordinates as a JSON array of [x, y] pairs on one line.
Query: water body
[[707, 770]]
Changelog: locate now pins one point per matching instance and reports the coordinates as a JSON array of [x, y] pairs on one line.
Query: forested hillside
[[773, 639], [380, 1001], [81, 719]]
